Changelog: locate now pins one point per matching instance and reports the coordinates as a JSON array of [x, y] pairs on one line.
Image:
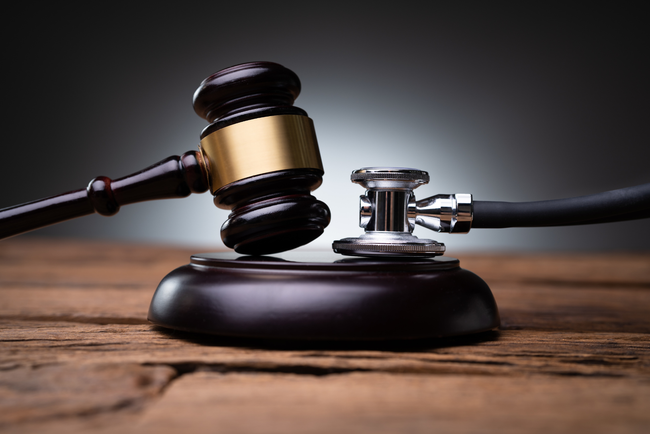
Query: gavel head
[[263, 158]]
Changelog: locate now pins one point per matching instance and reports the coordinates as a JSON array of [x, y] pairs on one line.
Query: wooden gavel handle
[[173, 177]]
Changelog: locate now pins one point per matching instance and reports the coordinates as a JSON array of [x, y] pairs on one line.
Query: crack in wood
[[466, 361], [126, 404], [588, 374], [73, 390], [600, 361], [225, 368]]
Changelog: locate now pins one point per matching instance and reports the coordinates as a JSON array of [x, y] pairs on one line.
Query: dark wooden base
[[301, 295]]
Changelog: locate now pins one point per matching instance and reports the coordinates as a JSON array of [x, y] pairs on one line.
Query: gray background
[[507, 101]]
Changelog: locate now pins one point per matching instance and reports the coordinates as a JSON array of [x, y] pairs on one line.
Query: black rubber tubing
[[629, 203]]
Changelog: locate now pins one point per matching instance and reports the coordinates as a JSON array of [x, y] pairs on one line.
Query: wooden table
[[77, 355]]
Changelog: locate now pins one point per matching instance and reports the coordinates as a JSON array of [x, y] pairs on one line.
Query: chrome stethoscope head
[[389, 213]]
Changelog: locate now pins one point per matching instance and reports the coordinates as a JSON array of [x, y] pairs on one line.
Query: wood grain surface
[[77, 355]]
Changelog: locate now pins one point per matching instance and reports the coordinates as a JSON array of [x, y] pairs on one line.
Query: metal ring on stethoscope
[[385, 244]]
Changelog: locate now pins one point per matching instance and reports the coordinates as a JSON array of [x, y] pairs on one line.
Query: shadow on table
[[404, 345]]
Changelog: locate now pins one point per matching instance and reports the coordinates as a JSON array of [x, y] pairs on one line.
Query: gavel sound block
[[327, 297], [258, 157]]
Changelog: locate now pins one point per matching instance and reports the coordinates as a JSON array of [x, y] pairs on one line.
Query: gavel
[[259, 158]]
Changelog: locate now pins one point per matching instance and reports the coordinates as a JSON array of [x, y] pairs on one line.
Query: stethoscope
[[389, 211]]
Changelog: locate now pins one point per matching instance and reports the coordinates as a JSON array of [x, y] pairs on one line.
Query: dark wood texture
[[77, 355], [173, 177]]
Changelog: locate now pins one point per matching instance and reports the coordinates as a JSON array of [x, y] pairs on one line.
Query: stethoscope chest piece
[[389, 213]]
